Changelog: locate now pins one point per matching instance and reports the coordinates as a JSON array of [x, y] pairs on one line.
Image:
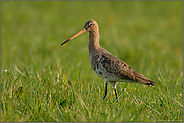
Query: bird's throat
[[93, 42]]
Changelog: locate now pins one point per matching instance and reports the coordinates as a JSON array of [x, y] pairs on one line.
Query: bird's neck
[[93, 42]]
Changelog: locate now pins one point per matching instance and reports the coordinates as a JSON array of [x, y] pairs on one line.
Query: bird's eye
[[90, 24]]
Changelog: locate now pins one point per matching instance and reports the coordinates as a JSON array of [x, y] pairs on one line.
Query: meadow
[[42, 81]]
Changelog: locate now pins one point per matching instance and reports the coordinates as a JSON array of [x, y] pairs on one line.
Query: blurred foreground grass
[[42, 81]]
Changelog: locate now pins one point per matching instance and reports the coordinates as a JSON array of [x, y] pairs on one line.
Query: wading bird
[[106, 65]]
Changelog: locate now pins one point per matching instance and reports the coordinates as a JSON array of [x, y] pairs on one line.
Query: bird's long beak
[[77, 34]]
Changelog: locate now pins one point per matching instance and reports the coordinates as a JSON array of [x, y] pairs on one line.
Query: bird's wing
[[121, 70]]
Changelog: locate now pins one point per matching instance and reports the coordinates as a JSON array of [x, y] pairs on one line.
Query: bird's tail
[[142, 79]]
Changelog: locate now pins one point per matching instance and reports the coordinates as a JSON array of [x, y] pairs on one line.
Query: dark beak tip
[[64, 42]]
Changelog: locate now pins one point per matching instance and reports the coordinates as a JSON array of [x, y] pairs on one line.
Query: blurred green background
[[146, 35], [32, 31]]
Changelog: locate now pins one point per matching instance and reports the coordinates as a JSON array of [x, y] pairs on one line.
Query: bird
[[106, 65]]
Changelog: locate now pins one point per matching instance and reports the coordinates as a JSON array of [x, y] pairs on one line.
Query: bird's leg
[[116, 94], [114, 86], [105, 90]]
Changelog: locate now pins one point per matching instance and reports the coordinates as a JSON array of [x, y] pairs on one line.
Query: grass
[[43, 81]]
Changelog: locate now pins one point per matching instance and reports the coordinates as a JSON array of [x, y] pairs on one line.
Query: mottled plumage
[[106, 65]]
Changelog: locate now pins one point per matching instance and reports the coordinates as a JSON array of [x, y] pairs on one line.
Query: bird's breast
[[102, 67]]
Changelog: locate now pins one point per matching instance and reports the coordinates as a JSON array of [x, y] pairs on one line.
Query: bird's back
[[111, 68]]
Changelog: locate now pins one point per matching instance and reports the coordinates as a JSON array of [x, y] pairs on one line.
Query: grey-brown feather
[[114, 66]]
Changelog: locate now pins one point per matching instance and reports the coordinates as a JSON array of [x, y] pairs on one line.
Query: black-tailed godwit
[[106, 65]]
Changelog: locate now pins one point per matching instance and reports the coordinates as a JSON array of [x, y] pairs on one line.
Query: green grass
[[43, 81]]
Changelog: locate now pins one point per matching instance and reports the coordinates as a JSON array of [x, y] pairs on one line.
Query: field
[[42, 81]]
